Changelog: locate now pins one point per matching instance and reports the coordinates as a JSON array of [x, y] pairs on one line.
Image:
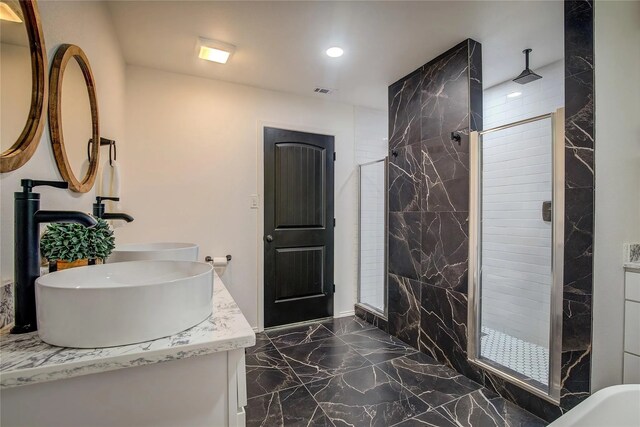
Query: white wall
[[617, 196], [516, 242], [194, 157], [87, 24], [371, 130]]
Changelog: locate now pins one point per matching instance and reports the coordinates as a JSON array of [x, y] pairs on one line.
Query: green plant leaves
[[71, 241]]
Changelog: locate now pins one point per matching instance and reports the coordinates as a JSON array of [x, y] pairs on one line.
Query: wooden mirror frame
[[63, 55], [26, 144]]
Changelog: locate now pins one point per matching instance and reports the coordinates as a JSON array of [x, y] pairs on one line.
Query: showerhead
[[527, 76]]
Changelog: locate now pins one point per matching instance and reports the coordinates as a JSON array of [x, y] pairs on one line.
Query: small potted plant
[[67, 245]]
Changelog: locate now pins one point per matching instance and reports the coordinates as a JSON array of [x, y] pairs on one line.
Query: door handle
[[546, 211], [269, 238]]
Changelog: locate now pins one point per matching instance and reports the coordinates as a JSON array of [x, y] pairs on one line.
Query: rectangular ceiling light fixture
[[216, 51], [8, 14]]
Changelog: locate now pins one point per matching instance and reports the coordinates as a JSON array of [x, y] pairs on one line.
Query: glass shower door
[[516, 251], [372, 271]]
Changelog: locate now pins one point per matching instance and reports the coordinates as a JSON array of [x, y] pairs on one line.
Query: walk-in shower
[[372, 266], [516, 234]]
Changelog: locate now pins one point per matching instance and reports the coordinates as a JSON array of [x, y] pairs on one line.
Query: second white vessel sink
[[154, 251], [122, 303]]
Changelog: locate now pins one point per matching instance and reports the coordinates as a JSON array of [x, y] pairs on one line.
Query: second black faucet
[[99, 210]]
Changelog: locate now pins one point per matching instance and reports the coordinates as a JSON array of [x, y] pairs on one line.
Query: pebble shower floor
[[527, 358]]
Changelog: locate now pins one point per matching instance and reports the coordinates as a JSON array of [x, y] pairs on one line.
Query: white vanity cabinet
[[194, 378], [631, 363]]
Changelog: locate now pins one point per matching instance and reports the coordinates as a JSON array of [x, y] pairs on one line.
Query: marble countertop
[[26, 359]]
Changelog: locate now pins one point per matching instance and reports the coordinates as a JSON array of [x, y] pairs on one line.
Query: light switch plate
[[254, 201]]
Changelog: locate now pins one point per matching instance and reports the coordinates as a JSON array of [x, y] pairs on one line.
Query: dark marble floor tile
[[365, 397], [346, 325], [321, 359], [290, 407], [431, 418], [301, 334], [377, 346], [484, 408], [268, 372], [263, 343], [431, 381]]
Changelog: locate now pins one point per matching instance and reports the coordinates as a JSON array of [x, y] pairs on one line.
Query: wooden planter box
[[63, 265]]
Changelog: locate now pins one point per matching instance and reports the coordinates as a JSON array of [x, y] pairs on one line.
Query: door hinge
[[334, 222], [334, 156], [334, 288]]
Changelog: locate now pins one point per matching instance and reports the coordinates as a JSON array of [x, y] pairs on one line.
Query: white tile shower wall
[[371, 145], [372, 235], [516, 242], [371, 131]]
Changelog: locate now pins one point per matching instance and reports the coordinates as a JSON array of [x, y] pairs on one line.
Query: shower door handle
[[546, 211]]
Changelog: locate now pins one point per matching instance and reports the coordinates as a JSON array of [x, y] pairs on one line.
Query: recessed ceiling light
[[335, 52], [216, 51], [8, 14], [514, 94]]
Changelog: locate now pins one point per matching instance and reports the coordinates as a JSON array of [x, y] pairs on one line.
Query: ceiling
[[280, 45]]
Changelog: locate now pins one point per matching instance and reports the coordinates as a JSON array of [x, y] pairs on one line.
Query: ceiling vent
[[323, 90]]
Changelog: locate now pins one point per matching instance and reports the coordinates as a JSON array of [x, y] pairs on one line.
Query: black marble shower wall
[[428, 211], [579, 205], [429, 203]]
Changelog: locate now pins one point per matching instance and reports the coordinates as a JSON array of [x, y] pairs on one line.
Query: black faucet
[[98, 210], [28, 218]]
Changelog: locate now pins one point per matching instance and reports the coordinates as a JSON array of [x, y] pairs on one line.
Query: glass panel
[[372, 236], [516, 187]]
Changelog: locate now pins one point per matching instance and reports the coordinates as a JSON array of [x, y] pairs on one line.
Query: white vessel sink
[[122, 303], [154, 251]]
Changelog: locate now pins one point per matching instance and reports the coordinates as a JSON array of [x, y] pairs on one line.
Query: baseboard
[[345, 314]]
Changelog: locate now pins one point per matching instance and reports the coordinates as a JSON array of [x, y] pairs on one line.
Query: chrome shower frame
[[552, 391]]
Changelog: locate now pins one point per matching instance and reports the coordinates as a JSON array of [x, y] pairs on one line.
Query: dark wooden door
[[298, 226]]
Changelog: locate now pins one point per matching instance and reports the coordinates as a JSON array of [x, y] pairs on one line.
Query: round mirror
[[76, 118], [73, 118], [23, 83]]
